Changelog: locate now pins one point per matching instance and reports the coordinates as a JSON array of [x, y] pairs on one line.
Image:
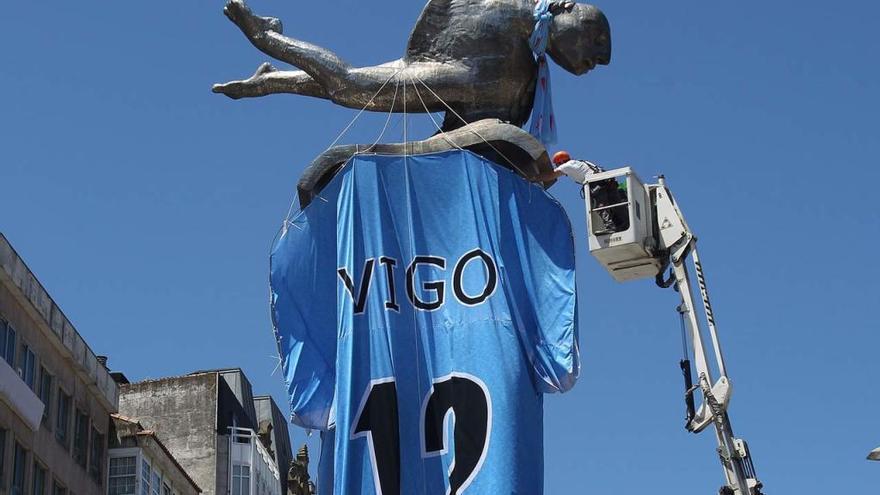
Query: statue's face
[[580, 39]]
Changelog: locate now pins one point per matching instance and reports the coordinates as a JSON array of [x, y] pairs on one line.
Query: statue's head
[[580, 39]]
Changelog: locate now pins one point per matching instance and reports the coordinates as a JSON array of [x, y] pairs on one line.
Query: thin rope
[[364, 109], [345, 130], [431, 116], [417, 337], [468, 125], [388, 119], [405, 147], [369, 149], [277, 365], [357, 150]]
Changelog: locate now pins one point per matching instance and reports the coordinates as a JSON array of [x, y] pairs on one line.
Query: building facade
[[70, 427], [140, 464], [209, 422], [56, 394], [274, 434]]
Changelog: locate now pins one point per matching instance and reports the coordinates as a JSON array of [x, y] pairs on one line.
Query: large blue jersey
[[422, 306]]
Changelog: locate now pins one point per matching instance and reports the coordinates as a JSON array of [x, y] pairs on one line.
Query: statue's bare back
[[474, 56]]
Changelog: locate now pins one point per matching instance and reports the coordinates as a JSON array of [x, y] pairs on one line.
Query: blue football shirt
[[422, 306]]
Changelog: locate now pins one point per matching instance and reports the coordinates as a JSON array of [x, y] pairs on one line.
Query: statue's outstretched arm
[[325, 75]]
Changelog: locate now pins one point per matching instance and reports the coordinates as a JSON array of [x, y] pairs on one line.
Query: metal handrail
[[250, 435], [625, 203]]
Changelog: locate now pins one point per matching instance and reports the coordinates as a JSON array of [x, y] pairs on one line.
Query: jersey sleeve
[[303, 302], [539, 279]]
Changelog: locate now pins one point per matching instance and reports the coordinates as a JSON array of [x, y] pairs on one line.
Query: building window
[[166, 490], [2, 455], [122, 476], [80, 437], [7, 343], [19, 459], [145, 477], [157, 482], [27, 365], [39, 484], [96, 459], [241, 479], [58, 489], [45, 394], [62, 420]]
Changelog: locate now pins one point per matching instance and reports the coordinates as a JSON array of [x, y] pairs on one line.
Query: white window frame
[[156, 482], [144, 489], [123, 453], [237, 479]]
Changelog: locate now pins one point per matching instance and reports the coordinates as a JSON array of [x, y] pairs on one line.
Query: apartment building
[[56, 394], [209, 422], [140, 463], [274, 434]]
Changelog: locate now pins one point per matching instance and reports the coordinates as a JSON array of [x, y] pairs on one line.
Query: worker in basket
[[603, 193]]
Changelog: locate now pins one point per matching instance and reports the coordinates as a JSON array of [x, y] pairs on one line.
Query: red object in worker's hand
[[561, 157]]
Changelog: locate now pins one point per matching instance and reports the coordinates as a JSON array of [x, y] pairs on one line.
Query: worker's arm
[[576, 170], [547, 177]]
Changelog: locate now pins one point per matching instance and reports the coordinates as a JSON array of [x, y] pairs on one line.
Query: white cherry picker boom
[[637, 231]]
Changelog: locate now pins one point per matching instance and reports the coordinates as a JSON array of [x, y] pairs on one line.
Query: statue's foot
[[232, 89], [239, 13], [240, 89]]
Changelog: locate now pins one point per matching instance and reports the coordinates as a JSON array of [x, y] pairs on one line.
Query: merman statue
[[474, 55]]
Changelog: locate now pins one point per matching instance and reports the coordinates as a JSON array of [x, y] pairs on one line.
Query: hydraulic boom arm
[[675, 240]]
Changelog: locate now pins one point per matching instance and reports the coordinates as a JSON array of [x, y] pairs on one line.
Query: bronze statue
[[473, 54]]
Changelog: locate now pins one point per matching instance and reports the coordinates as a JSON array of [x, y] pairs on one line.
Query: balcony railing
[[245, 449]]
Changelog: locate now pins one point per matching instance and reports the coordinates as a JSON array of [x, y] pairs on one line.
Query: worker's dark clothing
[[606, 193], [602, 193]]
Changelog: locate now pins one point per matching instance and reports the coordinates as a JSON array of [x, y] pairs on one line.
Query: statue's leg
[[268, 80], [325, 75], [374, 88], [401, 87], [322, 65]]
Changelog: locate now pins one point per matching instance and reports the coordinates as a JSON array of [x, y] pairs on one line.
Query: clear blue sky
[[146, 205]]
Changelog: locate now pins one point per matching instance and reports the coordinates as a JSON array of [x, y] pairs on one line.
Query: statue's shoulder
[[445, 27]]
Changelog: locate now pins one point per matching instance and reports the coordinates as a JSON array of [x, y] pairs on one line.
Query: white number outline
[[427, 455], [374, 466]]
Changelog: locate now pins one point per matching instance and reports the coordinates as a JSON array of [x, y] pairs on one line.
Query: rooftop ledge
[[55, 326]]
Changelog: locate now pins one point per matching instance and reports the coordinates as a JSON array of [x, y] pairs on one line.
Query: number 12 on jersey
[[463, 396]]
